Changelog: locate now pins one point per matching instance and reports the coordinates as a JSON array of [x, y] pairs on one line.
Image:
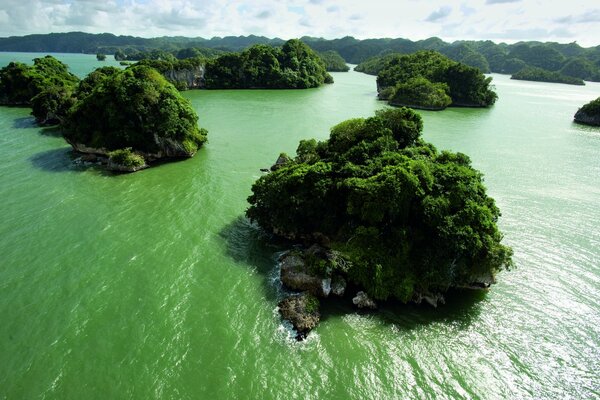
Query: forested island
[[125, 119], [429, 80], [589, 114], [379, 208], [333, 61], [542, 75], [291, 66]]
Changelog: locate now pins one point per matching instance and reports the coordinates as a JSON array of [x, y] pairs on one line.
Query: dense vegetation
[[136, 108], [333, 61], [19, 83], [101, 57], [132, 116], [427, 79], [292, 66], [542, 75], [567, 58], [589, 114], [408, 219]]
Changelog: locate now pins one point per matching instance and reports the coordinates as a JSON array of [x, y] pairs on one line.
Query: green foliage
[[101, 57], [581, 68], [134, 108], [420, 93], [592, 108], [542, 75], [50, 106], [19, 82], [427, 79], [127, 158], [312, 304], [333, 61], [410, 220], [293, 66], [539, 56]]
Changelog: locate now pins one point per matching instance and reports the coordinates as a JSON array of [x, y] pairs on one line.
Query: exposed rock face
[[281, 161], [362, 300], [192, 78], [168, 148], [113, 166], [295, 275], [433, 299], [338, 285], [302, 310], [583, 118]]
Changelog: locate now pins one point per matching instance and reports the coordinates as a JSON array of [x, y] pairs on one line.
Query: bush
[[127, 158]]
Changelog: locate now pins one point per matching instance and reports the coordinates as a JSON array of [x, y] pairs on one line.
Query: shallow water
[[151, 285]]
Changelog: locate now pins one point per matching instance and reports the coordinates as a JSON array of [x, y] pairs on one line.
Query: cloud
[[264, 14], [439, 14], [586, 17], [469, 19]]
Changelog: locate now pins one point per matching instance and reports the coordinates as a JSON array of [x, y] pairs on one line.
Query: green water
[[151, 285]]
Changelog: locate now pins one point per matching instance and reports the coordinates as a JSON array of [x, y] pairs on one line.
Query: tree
[[101, 57]]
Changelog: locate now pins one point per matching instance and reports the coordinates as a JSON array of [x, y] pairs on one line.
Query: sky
[[499, 20]]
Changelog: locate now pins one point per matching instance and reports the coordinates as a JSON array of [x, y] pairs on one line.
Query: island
[[123, 119], [429, 80], [19, 82], [541, 75], [589, 114], [132, 117], [378, 209], [292, 66]]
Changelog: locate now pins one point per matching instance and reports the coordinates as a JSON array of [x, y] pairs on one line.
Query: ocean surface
[[153, 285]]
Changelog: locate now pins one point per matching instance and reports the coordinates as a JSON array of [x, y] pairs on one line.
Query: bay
[[153, 285]]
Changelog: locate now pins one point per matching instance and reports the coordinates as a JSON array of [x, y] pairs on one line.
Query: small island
[[589, 114], [428, 80], [123, 119], [541, 75], [292, 66], [379, 210]]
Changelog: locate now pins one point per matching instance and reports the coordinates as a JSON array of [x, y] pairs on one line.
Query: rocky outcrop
[[362, 300], [295, 275], [280, 162], [168, 148], [189, 78], [581, 117], [302, 310]]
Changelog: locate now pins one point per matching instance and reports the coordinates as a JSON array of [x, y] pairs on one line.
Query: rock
[[302, 310], [265, 170], [295, 275], [433, 299], [583, 118], [189, 78], [362, 300], [338, 285], [113, 166], [281, 161]]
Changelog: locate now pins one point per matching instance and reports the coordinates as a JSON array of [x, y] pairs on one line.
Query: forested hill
[[80, 42], [568, 59]]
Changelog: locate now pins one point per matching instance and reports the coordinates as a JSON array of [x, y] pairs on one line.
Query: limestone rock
[[302, 310], [295, 275], [362, 300], [583, 118]]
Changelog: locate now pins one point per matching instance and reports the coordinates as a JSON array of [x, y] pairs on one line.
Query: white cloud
[[501, 20]]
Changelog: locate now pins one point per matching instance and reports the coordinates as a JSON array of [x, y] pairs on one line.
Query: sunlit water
[[151, 285]]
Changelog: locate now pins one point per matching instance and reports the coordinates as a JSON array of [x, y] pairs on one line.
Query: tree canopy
[[408, 219], [293, 66], [438, 79], [136, 108], [542, 75], [19, 82], [333, 61]]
